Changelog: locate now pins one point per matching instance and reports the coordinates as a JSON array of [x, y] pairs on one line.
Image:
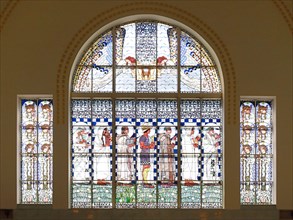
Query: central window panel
[[146, 119], [132, 154]]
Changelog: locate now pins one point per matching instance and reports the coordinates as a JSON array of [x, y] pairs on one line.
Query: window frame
[[156, 95]]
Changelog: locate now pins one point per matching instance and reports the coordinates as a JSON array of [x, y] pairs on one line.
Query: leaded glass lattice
[[36, 152], [91, 153], [145, 61], [256, 152], [156, 107]]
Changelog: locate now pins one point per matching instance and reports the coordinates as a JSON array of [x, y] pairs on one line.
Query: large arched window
[[146, 105]]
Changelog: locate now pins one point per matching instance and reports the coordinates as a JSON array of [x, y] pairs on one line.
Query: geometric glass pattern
[[256, 152], [146, 117], [36, 151]]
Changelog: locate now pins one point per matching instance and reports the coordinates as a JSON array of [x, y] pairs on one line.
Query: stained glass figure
[[201, 154], [256, 163], [125, 147], [36, 151], [91, 153], [167, 149], [167, 144]]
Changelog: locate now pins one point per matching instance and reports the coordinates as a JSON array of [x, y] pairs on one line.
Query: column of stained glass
[[201, 154], [101, 153], [198, 70], [36, 151], [146, 58], [211, 153], [166, 59], [190, 60], [125, 58], [146, 148], [125, 153], [81, 170], [167, 168], [190, 154], [102, 70], [146, 53], [256, 152], [91, 153], [94, 73]]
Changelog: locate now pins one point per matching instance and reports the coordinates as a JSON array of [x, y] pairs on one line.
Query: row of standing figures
[[166, 164]]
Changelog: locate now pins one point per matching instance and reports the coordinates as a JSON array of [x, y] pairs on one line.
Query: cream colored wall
[[39, 40]]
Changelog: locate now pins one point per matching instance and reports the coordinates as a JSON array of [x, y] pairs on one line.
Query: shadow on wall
[[6, 214]]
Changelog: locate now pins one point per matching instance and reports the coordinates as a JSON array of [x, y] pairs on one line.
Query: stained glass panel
[[29, 192], [125, 79], [191, 195], [167, 196], [206, 58], [256, 163], [103, 50], [82, 82], [212, 195], [81, 112], [146, 43], [45, 192], [147, 162], [144, 53], [201, 154], [36, 151], [210, 82], [190, 50], [264, 192], [125, 45], [167, 45], [190, 79], [81, 195], [146, 79], [102, 196], [102, 79], [147, 194], [167, 79], [247, 193], [125, 195]]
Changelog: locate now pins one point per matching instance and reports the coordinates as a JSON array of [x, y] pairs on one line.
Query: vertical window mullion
[[178, 32], [114, 120]]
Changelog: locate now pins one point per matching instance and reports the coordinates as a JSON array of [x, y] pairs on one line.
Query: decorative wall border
[[285, 12], [149, 7], [5, 13]]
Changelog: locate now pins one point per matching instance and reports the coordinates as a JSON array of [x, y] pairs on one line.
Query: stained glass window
[[36, 151], [146, 111], [256, 152]]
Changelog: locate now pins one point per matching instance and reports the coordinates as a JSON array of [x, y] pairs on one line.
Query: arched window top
[[146, 57]]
